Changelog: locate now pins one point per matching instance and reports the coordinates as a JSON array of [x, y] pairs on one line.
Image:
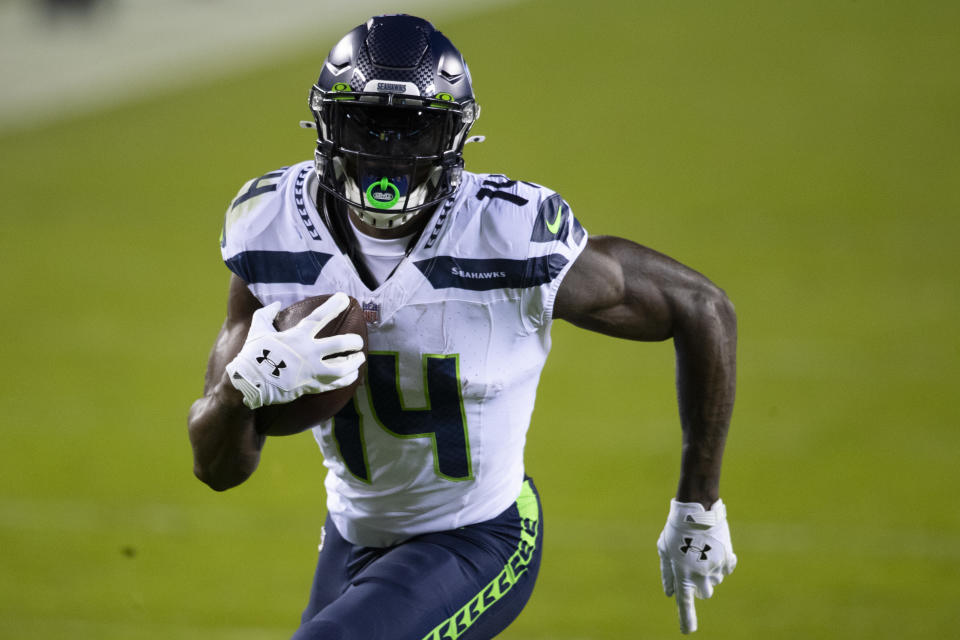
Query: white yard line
[[131, 48]]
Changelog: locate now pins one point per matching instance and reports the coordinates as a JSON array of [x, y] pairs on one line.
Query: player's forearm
[[706, 342], [226, 445]]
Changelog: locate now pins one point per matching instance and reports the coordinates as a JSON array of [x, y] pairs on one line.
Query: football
[[306, 411]]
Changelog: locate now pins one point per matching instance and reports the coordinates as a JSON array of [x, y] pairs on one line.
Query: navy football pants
[[465, 584]]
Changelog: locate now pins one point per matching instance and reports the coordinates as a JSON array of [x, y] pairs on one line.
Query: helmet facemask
[[388, 155]]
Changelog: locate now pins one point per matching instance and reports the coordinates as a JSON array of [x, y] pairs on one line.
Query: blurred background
[[803, 155]]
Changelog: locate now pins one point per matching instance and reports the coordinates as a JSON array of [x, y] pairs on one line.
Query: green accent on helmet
[[383, 185], [444, 98], [342, 86]]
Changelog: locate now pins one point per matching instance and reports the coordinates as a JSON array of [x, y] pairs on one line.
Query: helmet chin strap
[[382, 220]]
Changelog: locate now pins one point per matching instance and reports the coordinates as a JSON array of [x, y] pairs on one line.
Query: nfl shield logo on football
[[371, 312]]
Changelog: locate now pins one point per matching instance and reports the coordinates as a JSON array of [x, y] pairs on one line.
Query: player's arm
[[626, 290], [253, 365], [623, 289], [226, 445]]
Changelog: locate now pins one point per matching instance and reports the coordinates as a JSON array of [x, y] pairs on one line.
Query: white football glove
[[275, 367], [695, 555]]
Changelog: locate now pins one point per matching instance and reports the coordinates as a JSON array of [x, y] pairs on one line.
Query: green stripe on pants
[[457, 624]]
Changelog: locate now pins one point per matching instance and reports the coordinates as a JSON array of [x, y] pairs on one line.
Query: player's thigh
[[396, 597], [468, 583]]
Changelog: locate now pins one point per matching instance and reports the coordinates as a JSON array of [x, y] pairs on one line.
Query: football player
[[433, 529]]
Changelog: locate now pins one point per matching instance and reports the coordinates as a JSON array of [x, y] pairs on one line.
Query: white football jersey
[[458, 335]]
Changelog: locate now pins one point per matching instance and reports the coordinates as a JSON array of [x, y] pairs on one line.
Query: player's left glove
[[695, 555]]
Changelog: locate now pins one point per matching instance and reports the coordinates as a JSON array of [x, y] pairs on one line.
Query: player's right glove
[[695, 555], [275, 367]]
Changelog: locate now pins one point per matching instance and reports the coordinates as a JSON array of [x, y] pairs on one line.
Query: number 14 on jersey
[[443, 418]]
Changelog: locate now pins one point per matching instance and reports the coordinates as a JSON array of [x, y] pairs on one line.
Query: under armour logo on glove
[[688, 544], [308, 364], [276, 365], [691, 528]]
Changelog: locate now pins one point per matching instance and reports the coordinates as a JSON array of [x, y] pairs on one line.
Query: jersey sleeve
[[247, 217], [556, 240]]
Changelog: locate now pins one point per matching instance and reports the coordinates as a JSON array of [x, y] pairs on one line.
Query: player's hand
[[275, 367], [695, 555]]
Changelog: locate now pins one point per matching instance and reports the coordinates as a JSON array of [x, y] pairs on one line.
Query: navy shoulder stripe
[[302, 267], [578, 232], [551, 222], [446, 272]]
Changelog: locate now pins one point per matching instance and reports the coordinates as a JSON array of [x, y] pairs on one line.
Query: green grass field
[[804, 155]]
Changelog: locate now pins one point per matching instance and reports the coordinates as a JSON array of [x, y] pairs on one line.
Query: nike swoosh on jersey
[[554, 226]]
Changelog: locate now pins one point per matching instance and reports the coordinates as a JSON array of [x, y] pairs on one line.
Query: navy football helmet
[[393, 106]]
